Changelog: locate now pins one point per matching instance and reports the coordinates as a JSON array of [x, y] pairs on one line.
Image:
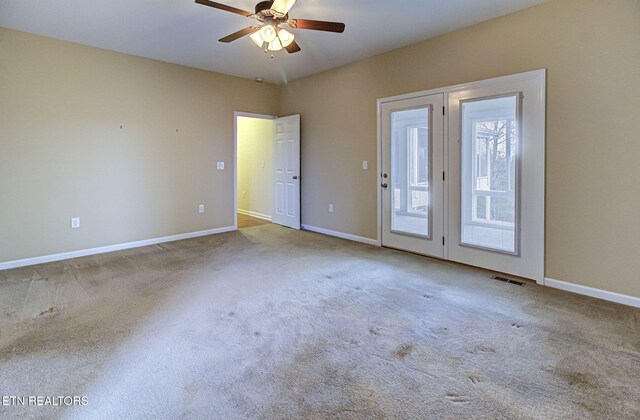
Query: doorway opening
[[267, 170], [254, 169]]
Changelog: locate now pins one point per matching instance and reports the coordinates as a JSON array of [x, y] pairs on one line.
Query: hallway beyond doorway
[[245, 221]]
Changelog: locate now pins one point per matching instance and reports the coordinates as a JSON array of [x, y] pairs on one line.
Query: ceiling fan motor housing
[[264, 8]]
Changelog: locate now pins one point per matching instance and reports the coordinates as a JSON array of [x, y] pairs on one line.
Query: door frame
[[237, 114], [540, 74]]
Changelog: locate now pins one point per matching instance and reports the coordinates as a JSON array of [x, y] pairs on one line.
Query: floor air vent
[[519, 283]]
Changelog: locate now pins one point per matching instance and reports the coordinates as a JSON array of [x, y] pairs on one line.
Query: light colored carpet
[[269, 322]]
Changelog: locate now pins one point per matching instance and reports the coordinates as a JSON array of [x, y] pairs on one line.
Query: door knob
[[384, 185], [296, 177]]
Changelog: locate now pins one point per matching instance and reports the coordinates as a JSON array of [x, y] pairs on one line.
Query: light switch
[[75, 222], [220, 166], [365, 164]]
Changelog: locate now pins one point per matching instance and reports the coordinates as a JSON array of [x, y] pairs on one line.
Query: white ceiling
[[183, 32]]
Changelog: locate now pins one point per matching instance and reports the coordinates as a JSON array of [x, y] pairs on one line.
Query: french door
[[496, 168], [411, 179], [465, 181]]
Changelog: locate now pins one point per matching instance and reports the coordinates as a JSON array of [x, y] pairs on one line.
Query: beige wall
[[63, 154], [591, 49], [255, 164]]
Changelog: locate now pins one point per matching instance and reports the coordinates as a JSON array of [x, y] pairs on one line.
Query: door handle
[[297, 177]]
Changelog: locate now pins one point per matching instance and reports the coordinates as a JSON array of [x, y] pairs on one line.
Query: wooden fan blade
[[292, 48], [240, 34], [224, 7], [282, 6], [317, 25]]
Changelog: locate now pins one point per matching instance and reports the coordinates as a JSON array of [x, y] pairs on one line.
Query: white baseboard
[[592, 292], [255, 214], [342, 235], [110, 248]]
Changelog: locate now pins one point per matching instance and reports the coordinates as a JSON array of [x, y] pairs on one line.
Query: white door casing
[[286, 176]]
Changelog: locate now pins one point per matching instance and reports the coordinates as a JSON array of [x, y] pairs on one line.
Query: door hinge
[[443, 241], [443, 108], [443, 177]]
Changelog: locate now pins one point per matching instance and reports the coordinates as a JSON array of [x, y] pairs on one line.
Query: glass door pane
[[489, 173], [411, 171]]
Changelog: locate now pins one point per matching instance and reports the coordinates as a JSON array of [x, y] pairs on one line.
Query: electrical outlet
[[75, 222], [262, 163], [244, 194], [365, 164], [330, 208], [220, 166], [201, 208]]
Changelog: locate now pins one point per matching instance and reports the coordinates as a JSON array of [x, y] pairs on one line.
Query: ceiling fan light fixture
[[286, 37], [268, 33], [255, 37], [282, 38], [275, 45]]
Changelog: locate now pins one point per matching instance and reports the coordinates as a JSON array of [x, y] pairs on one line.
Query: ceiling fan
[[268, 34]]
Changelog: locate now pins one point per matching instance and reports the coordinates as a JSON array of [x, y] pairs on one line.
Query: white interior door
[[412, 184], [286, 178], [496, 175]]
